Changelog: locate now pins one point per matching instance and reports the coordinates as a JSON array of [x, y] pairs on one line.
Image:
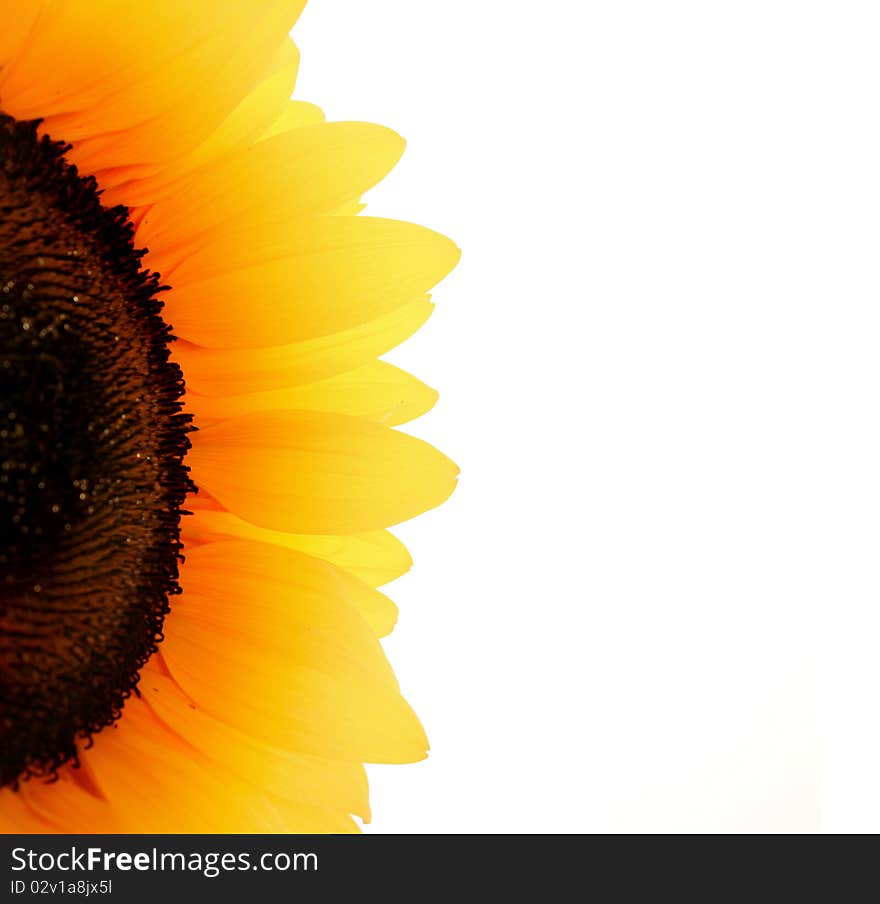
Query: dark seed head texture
[[92, 442]]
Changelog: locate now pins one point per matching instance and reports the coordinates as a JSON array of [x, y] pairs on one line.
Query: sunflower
[[198, 462]]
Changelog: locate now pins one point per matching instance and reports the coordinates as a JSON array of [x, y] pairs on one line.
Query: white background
[[652, 604]]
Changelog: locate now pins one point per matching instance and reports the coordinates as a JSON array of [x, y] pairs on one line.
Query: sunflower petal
[[300, 819], [229, 372], [295, 115], [65, 802], [17, 818], [15, 32], [241, 128], [341, 272], [320, 473], [375, 558], [160, 784], [268, 641], [290, 776], [300, 173], [378, 391], [126, 95]]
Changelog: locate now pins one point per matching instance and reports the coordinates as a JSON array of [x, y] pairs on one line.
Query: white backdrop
[[652, 603]]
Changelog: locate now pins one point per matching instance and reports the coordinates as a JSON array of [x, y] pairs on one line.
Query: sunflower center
[[91, 458]]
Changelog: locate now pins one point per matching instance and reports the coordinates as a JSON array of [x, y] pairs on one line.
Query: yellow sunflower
[[194, 530]]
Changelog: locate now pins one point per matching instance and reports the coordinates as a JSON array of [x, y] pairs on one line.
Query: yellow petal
[[17, 818], [241, 128], [378, 391], [303, 820], [68, 804], [349, 209], [118, 80], [223, 372], [375, 558], [290, 776], [299, 173], [340, 272], [15, 28], [295, 115], [319, 473], [267, 640], [160, 784]]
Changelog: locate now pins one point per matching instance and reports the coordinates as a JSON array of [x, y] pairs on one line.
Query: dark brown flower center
[[92, 441]]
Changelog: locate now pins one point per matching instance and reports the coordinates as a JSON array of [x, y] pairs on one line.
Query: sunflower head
[[191, 316]]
